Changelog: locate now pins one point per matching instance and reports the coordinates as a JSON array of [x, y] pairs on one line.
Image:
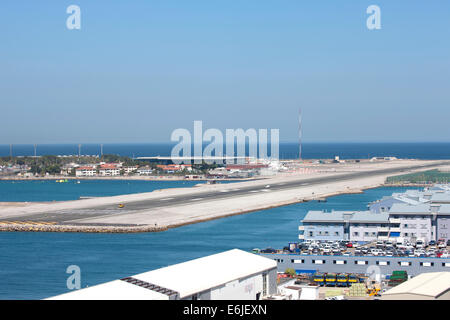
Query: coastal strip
[[152, 212]]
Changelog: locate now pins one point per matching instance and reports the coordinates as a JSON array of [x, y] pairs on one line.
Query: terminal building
[[230, 275]]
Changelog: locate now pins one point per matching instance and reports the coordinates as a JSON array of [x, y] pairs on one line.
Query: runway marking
[[196, 199], [165, 199], [265, 190], [304, 184], [224, 190], [254, 191]]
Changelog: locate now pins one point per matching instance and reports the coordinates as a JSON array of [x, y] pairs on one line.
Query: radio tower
[[300, 134]]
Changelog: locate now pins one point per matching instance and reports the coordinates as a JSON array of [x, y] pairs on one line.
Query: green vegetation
[[431, 176], [290, 272], [53, 164]]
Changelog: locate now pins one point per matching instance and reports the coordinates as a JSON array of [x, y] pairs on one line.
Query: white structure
[[113, 290], [130, 169], [230, 275], [85, 171], [108, 170], [425, 286], [145, 171]]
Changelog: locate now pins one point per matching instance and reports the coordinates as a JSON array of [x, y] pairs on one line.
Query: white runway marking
[[254, 191], [196, 199], [224, 190], [165, 199]]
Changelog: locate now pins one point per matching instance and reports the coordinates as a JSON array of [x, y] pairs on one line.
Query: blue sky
[[138, 70]]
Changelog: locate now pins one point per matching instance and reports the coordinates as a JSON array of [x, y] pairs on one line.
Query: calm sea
[[50, 190], [33, 265], [287, 150]]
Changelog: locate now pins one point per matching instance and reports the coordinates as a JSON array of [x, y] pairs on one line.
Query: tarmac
[[170, 208]]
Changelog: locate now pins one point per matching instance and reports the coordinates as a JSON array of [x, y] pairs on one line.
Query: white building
[[230, 275], [107, 170], [145, 171], [129, 169], [85, 171]]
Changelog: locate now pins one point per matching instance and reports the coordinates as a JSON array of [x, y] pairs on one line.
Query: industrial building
[[425, 286], [230, 275], [361, 226]]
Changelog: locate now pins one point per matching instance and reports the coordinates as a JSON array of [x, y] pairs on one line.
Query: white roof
[[114, 290], [198, 275], [430, 284]]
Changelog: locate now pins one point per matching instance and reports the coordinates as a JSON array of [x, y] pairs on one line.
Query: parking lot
[[433, 249]]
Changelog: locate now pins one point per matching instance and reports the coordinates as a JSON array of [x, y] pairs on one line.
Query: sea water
[[33, 265]]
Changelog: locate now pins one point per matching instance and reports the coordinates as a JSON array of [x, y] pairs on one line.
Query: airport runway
[[231, 191]]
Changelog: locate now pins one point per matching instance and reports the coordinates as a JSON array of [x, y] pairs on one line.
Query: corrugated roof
[[430, 284], [113, 290], [198, 275], [186, 278]]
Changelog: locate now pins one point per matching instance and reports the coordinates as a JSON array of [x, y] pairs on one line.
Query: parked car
[[375, 252], [380, 244], [420, 244], [349, 245]]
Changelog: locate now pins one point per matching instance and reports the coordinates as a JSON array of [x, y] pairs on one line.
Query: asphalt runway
[[61, 216]]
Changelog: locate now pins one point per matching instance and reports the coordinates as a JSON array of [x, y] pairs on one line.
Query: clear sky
[[137, 70]]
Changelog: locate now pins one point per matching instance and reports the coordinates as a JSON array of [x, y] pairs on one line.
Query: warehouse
[[230, 275], [425, 286]]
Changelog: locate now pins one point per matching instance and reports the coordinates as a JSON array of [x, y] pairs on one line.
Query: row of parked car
[[418, 248]]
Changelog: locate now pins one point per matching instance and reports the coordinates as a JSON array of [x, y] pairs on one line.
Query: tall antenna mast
[[300, 134], [101, 150], [79, 151], [35, 150], [10, 151]]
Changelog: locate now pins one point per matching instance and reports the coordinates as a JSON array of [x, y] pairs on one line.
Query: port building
[[362, 226], [412, 215], [425, 286], [230, 275]]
